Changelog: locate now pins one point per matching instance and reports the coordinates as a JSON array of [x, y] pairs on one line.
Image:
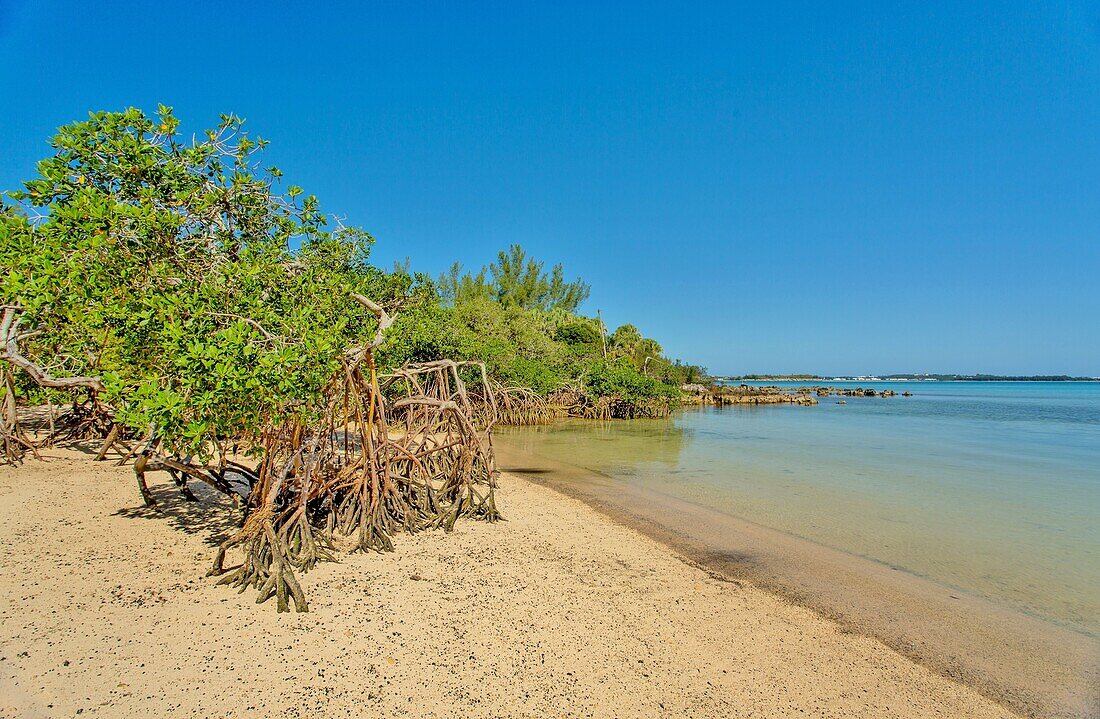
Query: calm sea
[[987, 488]]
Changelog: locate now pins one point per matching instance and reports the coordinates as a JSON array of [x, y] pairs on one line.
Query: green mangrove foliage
[[166, 272]]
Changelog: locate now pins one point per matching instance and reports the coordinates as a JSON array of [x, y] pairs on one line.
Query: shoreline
[[558, 611], [1031, 665], [853, 380]]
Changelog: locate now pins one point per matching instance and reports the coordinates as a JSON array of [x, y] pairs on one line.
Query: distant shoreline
[[908, 378]]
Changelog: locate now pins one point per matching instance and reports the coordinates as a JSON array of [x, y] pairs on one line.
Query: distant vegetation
[[937, 377], [523, 323], [989, 377], [776, 377]]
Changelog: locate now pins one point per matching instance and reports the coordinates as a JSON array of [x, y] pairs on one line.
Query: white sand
[[104, 610]]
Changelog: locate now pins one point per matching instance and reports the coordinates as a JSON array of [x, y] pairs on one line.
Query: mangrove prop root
[[572, 402], [406, 451], [14, 442]]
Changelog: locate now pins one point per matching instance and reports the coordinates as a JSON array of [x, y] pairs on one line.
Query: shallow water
[[990, 489]]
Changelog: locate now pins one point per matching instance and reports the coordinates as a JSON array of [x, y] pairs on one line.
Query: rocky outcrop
[[850, 392], [748, 394], [722, 395]]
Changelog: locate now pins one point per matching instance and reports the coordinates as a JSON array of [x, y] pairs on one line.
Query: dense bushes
[[618, 377], [201, 300]]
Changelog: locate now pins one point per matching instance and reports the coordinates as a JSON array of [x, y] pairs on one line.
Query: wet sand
[[559, 611], [1036, 668]]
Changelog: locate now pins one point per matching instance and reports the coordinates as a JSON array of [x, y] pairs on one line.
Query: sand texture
[[1031, 666], [104, 611]]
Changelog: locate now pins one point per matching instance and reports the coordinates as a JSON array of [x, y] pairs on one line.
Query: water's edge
[[1028, 665]]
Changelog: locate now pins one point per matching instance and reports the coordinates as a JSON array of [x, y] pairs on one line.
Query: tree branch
[[251, 323], [9, 350], [384, 321]]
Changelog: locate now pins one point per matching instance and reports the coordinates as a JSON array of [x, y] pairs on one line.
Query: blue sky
[[768, 187]]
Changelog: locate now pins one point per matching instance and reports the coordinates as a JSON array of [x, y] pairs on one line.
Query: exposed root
[[520, 406], [89, 419], [354, 480], [572, 402], [14, 442]]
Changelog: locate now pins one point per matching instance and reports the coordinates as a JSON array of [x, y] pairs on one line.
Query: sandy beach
[[559, 611], [1034, 667]]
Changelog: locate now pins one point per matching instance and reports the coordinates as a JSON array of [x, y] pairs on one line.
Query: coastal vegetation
[[524, 323], [775, 377], [201, 319]]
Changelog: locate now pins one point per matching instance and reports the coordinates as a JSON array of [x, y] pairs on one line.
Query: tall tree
[[515, 280]]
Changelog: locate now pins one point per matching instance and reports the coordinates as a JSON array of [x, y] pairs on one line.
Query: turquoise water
[[989, 488]]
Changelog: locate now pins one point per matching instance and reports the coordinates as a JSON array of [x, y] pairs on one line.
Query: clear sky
[[770, 187]]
